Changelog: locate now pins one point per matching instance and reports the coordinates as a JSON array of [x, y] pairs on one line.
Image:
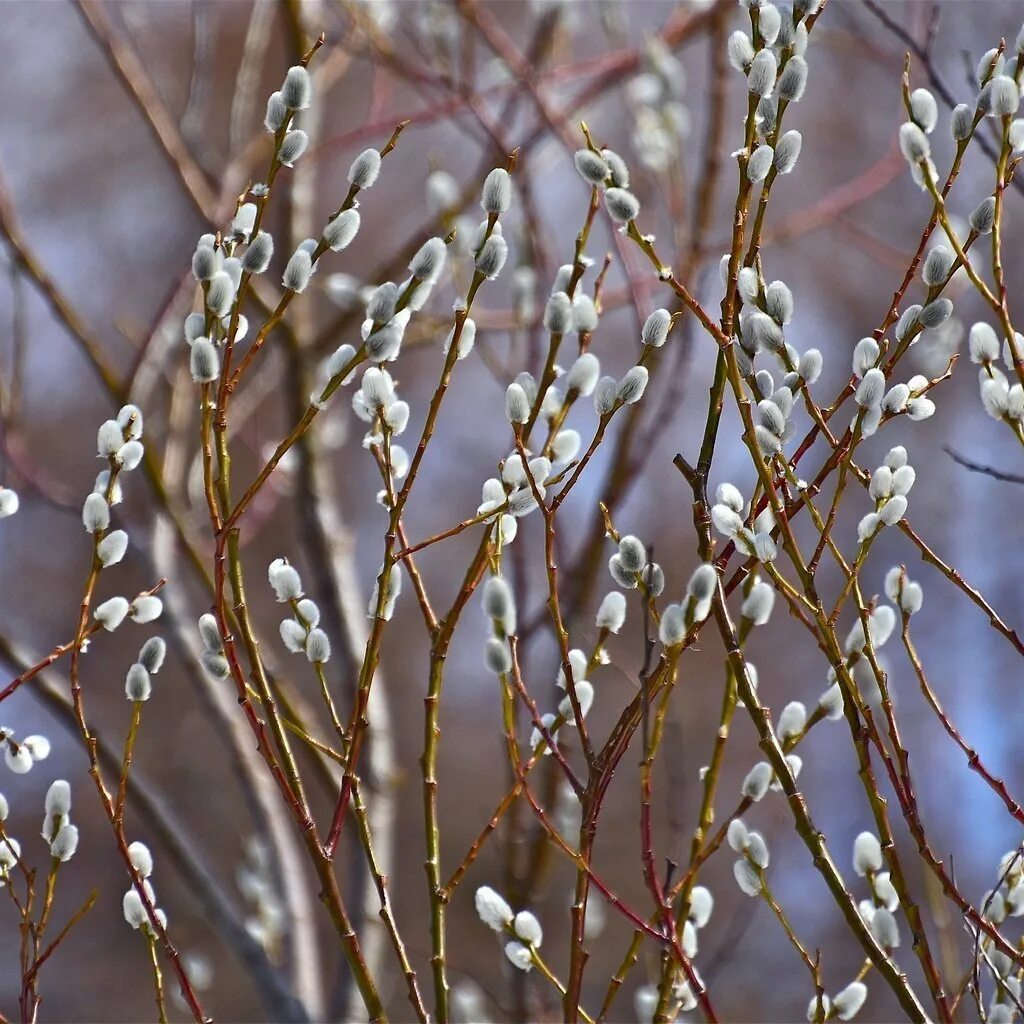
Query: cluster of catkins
[[133, 905], [889, 487], [645, 1000], [301, 634], [58, 831], [138, 683], [1002, 400], [998, 97], [1005, 900], [59, 834], [523, 929], [21, 755], [729, 516], [118, 441]]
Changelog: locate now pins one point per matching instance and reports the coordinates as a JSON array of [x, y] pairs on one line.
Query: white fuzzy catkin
[[617, 166], [152, 654], [517, 405], [384, 343], [492, 256], [204, 363], [109, 437], [58, 799], [244, 220], [298, 271], [583, 375], [499, 603], [209, 632], [220, 293], [64, 843], [584, 314], [758, 604], [778, 302], [913, 143], [656, 327], [277, 111], [747, 877], [865, 355], [632, 386], [787, 151], [527, 928], [497, 656], [112, 548], [792, 720], [146, 608], [983, 217], [95, 513], [129, 419], [622, 205], [558, 313], [492, 909], [205, 262], [137, 684], [867, 854], [318, 647], [793, 80], [757, 781], [936, 313], [924, 110], [871, 389], [496, 194], [848, 1002], [340, 230], [937, 265], [672, 628], [591, 167], [141, 859], [740, 50], [429, 259], [293, 635], [365, 169], [606, 395], [961, 122], [703, 582], [730, 496], [884, 928], [111, 613], [1003, 96], [769, 22], [134, 909], [519, 955], [258, 254], [762, 72], [983, 344], [285, 581], [297, 90], [129, 455], [611, 614], [293, 145], [760, 162], [632, 553]]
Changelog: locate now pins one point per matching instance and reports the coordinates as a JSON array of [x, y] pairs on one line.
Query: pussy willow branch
[[371, 657], [82, 628]]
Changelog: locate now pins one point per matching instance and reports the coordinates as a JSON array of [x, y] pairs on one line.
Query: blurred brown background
[[104, 208]]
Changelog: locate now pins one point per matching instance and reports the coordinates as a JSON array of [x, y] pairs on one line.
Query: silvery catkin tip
[[292, 146], [496, 194], [297, 89], [365, 169]]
